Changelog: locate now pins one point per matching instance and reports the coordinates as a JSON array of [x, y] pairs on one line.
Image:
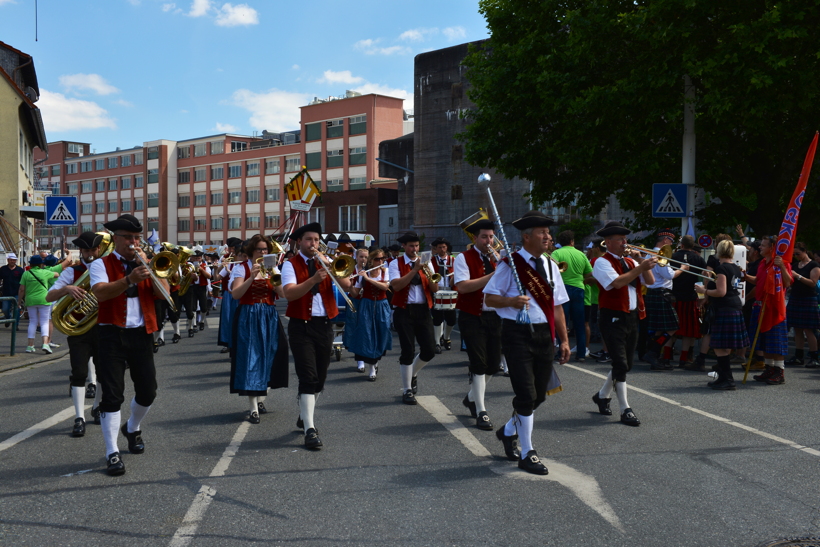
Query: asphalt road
[[704, 469]]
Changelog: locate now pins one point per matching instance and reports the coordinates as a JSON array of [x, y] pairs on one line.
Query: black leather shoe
[[95, 413], [90, 391], [156, 348], [471, 405], [511, 448], [312, 439], [299, 423], [224, 350], [176, 339], [414, 385], [448, 345], [135, 444], [483, 422], [253, 417], [723, 385], [261, 407], [115, 465], [408, 398], [79, 428], [191, 333], [603, 405], [531, 464], [438, 349], [201, 325], [629, 418]]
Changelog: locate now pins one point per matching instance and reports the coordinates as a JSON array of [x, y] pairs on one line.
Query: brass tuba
[[187, 269], [76, 317]]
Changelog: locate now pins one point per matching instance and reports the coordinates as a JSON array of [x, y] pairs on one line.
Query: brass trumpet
[[562, 266], [267, 263], [434, 277]]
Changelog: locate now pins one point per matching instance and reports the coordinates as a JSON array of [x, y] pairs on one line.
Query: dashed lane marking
[[37, 428]]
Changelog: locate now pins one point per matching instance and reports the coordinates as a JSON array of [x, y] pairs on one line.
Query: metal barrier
[[13, 322]]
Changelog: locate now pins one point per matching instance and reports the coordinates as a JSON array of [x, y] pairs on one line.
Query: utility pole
[[688, 171]]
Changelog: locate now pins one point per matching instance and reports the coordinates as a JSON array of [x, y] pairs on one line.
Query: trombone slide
[[155, 280]]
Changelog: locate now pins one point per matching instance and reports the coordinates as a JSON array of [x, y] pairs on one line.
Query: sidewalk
[[23, 359]]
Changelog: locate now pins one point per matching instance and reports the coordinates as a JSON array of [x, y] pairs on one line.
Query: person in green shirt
[[33, 289], [578, 269]]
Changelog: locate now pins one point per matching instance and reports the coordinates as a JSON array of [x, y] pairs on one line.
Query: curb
[[34, 361]]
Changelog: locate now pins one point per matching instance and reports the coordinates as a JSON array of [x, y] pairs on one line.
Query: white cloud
[[123, 102], [61, 113], [225, 128], [369, 47], [295, 67], [132, 2], [380, 89], [91, 82], [455, 33], [199, 8], [273, 110], [341, 77], [7, 2], [168, 7], [418, 34], [239, 15], [366, 44]]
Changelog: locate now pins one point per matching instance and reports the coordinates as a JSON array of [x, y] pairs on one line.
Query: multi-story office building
[[208, 189]]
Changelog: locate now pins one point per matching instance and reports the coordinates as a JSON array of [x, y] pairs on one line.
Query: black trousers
[[119, 347], [482, 336], [185, 301], [81, 348], [444, 316], [200, 295], [529, 360], [415, 324], [162, 308], [311, 343], [620, 333]]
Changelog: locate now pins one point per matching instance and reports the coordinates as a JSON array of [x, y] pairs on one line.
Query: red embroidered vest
[[472, 302], [114, 311], [301, 308], [260, 291], [371, 292], [400, 297], [618, 299]]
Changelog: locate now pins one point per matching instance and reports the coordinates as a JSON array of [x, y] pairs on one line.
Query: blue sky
[[115, 73]]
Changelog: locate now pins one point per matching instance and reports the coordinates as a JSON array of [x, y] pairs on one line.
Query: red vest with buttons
[[301, 308], [201, 280], [372, 292], [400, 297], [114, 311], [618, 299], [79, 270], [472, 302]]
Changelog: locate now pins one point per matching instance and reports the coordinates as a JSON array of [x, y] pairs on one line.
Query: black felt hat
[[126, 223], [344, 238], [484, 224], [408, 237], [233, 242], [395, 248], [88, 240], [312, 227], [533, 219], [613, 228], [439, 240]]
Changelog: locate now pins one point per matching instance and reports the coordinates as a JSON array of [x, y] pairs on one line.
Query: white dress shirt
[[436, 264], [663, 275], [289, 278], [133, 314], [606, 274], [415, 294], [461, 272]]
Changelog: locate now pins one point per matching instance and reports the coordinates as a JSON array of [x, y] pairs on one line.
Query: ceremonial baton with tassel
[[523, 317]]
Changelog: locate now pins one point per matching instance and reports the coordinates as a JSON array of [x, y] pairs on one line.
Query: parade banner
[[302, 191]]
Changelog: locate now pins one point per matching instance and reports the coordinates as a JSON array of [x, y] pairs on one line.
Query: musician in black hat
[[125, 289], [199, 287], [479, 324], [529, 348], [443, 320], [82, 347], [412, 300], [620, 305]]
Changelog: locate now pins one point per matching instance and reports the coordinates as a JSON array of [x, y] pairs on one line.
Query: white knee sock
[[92, 372], [437, 329], [511, 427], [373, 370], [606, 389], [138, 412], [190, 324], [447, 330], [620, 390], [418, 364], [504, 364], [360, 365], [161, 333], [198, 317], [78, 396], [406, 376], [253, 403], [156, 336], [306, 405], [525, 434], [176, 327], [110, 423], [477, 391], [779, 363]]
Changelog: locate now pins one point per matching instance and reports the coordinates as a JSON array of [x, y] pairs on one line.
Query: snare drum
[[445, 300]]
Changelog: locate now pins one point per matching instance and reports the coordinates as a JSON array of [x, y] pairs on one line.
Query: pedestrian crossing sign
[[669, 200], [61, 211]]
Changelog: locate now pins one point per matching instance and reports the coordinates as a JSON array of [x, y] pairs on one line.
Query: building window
[[217, 147], [313, 131], [217, 173], [126, 205], [216, 198], [252, 222], [74, 148], [87, 227], [292, 164], [153, 152], [200, 173], [358, 155], [55, 170], [199, 225], [184, 225], [235, 196], [85, 166], [87, 208], [335, 158], [335, 185], [234, 171], [238, 146], [138, 205], [125, 161], [358, 125], [153, 224], [112, 162], [73, 230], [70, 168], [99, 165], [100, 206], [313, 160], [271, 221], [316, 214], [86, 186], [183, 177], [153, 200], [271, 194], [112, 184], [183, 200], [200, 149], [357, 183], [271, 167], [335, 128], [352, 218], [252, 169], [252, 195], [100, 186], [153, 175], [138, 181], [138, 158], [183, 152], [112, 206], [71, 188], [126, 183], [234, 223], [200, 200], [216, 223]]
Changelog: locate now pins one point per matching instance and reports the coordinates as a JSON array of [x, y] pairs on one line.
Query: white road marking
[[585, 487], [230, 451], [83, 472], [37, 428], [727, 421]]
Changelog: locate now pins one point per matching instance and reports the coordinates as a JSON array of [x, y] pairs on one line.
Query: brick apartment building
[[208, 189]]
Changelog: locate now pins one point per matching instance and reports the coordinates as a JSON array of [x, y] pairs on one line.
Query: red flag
[[775, 293]]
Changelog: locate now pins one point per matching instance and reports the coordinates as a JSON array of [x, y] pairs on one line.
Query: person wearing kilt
[[686, 299], [443, 320], [802, 313], [773, 341], [259, 357], [229, 303], [367, 332], [728, 327], [662, 317]]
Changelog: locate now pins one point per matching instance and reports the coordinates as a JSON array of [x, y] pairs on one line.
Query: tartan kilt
[[688, 319], [802, 313], [773, 341], [660, 313], [729, 330]]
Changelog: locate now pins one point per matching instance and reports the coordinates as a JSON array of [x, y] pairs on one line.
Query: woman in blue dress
[[229, 303]]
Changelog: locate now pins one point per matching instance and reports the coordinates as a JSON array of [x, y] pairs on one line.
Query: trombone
[[165, 267], [664, 256], [343, 266], [562, 266]]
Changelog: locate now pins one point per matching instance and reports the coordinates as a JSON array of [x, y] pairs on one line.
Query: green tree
[[585, 98]]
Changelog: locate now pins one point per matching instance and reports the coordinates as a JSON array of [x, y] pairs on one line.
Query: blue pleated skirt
[[226, 313], [256, 338], [367, 332]]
